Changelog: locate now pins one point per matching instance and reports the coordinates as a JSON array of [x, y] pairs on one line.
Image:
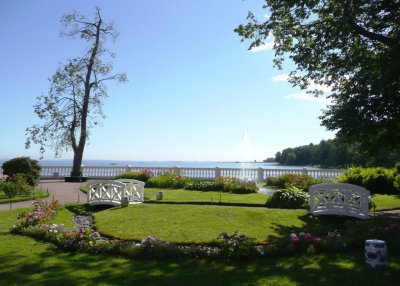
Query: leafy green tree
[[351, 46], [23, 165], [77, 90]]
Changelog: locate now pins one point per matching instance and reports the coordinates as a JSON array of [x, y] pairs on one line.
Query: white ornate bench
[[339, 199], [113, 192]]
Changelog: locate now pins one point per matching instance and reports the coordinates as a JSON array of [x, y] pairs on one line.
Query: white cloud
[[321, 87], [309, 97], [280, 77], [269, 45], [264, 47]]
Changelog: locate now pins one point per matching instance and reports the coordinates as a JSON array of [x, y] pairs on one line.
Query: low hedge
[[229, 185]]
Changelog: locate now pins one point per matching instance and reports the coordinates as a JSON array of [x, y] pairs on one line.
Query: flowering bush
[[3, 178], [302, 182], [236, 245], [143, 175], [196, 185], [168, 180], [41, 215]]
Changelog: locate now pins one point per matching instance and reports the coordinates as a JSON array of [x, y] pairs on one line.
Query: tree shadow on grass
[[79, 209], [317, 225], [52, 266]]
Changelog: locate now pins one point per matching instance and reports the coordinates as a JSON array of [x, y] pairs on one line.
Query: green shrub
[[143, 175], [352, 176], [196, 185], [271, 181], [16, 185], [290, 198], [376, 180], [23, 165], [168, 181], [236, 186], [299, 181], [240, 188]]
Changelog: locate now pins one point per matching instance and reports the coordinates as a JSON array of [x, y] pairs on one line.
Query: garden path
[[58, 190]]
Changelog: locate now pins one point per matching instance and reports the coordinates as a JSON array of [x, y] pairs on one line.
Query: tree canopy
[[351, 46], [77, 89]]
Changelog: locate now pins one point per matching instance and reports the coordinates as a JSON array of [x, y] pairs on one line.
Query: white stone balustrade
[[259, 175]]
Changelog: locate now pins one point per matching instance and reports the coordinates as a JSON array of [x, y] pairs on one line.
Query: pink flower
[[308, 236], [294, 238], [317, 239]]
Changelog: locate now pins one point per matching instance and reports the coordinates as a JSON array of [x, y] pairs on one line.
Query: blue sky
[[193, 86]]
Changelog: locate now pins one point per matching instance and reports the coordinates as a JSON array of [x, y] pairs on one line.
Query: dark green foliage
[[23, 165], [376, 180], [290, 198], [143, 175], [333, 153], [272, 181]]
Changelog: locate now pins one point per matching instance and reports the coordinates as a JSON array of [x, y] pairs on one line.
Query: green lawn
[[36, 194], [386, 202], [187, 223], [185, 196], [25, 261]]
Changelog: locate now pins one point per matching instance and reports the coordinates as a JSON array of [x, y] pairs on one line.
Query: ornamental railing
[[259, 175]]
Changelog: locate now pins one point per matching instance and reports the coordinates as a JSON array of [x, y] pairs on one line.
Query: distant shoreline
[[166, 164]]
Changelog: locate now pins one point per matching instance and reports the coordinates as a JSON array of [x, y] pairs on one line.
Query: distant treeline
[[332, 153]]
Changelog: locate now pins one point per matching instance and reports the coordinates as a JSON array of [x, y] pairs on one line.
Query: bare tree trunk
[[77, 163], [78, 152]]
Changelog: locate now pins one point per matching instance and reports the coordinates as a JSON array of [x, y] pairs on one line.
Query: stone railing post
[[176, 170], [128, 168], [81, 169], [304, 171], [260, 175], [217, 173]]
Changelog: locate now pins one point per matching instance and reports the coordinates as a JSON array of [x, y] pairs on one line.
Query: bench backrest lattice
[[339, 199], [112, 192]]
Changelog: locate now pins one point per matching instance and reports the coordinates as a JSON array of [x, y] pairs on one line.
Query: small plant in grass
[[290, 198]]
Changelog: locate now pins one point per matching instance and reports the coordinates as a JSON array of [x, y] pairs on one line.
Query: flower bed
[[37, 223]]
